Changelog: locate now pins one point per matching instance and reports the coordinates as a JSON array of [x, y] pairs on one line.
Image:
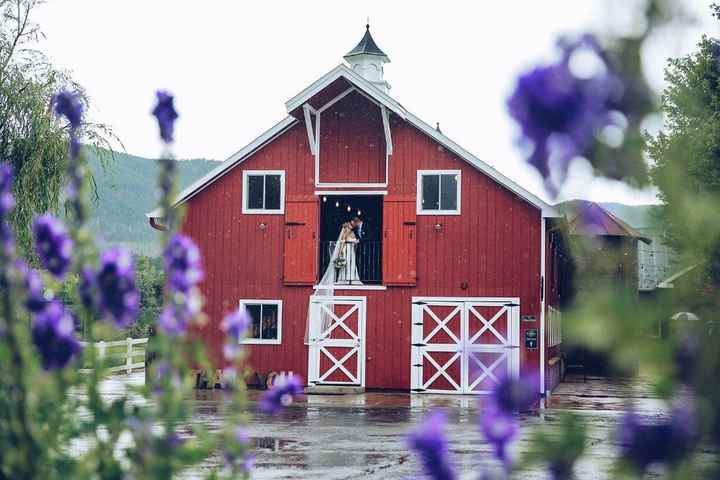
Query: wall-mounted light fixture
[[262, 225], [438, 227]]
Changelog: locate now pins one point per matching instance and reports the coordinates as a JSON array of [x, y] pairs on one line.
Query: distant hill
[[127, 191]]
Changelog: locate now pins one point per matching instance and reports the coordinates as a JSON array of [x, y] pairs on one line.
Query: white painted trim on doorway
[[351, 192], [543, 291], [307, 111], [351, 287]]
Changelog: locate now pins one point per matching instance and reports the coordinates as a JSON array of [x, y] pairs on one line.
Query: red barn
[[447, 288]]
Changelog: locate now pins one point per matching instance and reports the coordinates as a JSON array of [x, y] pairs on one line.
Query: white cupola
[[367, 60]]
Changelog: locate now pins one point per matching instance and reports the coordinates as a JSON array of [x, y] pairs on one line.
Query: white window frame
[[419, 193], [246, 191], [263, 341]]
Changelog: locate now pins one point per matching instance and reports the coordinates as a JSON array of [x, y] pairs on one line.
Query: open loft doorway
[[352, 256]]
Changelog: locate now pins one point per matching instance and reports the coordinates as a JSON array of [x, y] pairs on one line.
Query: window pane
[[254, 312], [269, 322], [255, 191], [272, 192], [430, 192], [448, 191]]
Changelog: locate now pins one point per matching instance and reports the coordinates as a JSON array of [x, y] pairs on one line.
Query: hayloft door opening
[[351, 228]]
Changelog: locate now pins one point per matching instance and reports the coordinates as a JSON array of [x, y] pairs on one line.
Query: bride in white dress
[[346, 261]]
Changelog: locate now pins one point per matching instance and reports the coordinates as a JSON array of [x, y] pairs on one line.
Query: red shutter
[[399, 243], [300, 246]]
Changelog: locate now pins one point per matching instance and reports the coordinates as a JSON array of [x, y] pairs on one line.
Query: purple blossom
[[87, 288], [118, 297], [559, 113], [282, 394], [429, 443], [687, 353], [166, 115], [7, 199], [499, 428], [69, 105], [52, 244], [512, 395], [182, 263], [235, 324], [174, 320], [643, 443], [53, 335], [35, 300]]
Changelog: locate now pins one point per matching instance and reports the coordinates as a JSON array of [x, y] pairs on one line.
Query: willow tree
[[31, 139]]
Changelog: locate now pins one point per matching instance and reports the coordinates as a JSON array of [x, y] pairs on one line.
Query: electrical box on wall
[[531, 340]]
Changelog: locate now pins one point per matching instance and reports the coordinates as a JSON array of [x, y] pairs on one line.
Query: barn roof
[[589, 218], [367, 46], [343, 74]]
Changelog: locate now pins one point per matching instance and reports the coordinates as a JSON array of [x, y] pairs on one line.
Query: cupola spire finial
[[367, 60]]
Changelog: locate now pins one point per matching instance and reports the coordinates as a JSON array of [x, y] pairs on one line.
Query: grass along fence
[[121, 354]]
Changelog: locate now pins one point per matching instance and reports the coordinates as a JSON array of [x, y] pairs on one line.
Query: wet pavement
[[362, 435]]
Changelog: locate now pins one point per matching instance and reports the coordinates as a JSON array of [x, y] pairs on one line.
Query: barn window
[[263, 191], [266, 321], [438, 192]]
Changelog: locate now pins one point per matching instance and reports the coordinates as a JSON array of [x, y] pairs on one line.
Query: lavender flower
[[52, 334], [182, 263], [173, 320], [87, 288], [235, 324], [499, 428], [669, 441], [281, 394], [68, 104], [559, 113], [236, 449], [512, 395], [166, 115], [429, 442], [52, 244], [35, 300], [7, 199], [118, 298]]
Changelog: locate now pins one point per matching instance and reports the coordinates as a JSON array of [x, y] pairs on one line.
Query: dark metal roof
[[367, 46], [589, 218]]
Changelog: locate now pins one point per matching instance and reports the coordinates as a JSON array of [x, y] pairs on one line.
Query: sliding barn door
[[300, 245], [399, 243]]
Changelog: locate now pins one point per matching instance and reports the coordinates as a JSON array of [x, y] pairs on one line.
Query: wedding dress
[[348, 273]]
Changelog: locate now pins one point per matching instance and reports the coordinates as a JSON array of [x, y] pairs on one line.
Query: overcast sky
[[232, 65]]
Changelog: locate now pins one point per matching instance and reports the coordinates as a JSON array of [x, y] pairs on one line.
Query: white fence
[[554, 326], [129, 353]]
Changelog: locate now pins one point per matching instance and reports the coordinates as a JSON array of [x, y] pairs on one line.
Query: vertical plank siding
[[492, 249]]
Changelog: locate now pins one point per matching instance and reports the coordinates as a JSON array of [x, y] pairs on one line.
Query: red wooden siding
[[300, 243], [352, 142], [491, 250], [399, 243]]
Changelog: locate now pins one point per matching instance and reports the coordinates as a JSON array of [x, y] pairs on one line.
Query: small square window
[[438, 192], [266, 321], [263, 192]]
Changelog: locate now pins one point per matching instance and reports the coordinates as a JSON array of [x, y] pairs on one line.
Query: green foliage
[[125, 194], [686, 155], [150, 280]]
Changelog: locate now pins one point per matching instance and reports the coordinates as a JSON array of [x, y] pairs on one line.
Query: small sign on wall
[[529, 318], [531, 340]]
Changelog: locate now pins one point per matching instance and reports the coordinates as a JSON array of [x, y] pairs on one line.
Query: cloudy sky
[[232, 65]]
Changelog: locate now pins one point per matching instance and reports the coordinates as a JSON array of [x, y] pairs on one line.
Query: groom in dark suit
[[357, 225]]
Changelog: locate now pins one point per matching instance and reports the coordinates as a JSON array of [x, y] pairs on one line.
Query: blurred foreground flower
[[182, 263], [165, 114], [282, 394], [118, 297], [499, 428], [53, 244], [52, 334], [512, 395], [643, 443], [234, 325], [560, 112], [430, 444]]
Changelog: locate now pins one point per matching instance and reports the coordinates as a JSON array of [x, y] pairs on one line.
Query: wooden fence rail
[[129, 353]]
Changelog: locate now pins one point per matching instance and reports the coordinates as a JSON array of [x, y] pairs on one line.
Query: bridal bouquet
[[340, 263]]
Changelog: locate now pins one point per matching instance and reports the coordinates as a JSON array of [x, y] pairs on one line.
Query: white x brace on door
[[463, 345], [336, 338]]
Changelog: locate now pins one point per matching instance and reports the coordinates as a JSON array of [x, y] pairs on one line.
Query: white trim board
[[350, 287], [351, 192]]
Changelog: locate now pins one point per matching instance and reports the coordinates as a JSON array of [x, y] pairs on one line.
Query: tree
[[686, 155], [31, 139]]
